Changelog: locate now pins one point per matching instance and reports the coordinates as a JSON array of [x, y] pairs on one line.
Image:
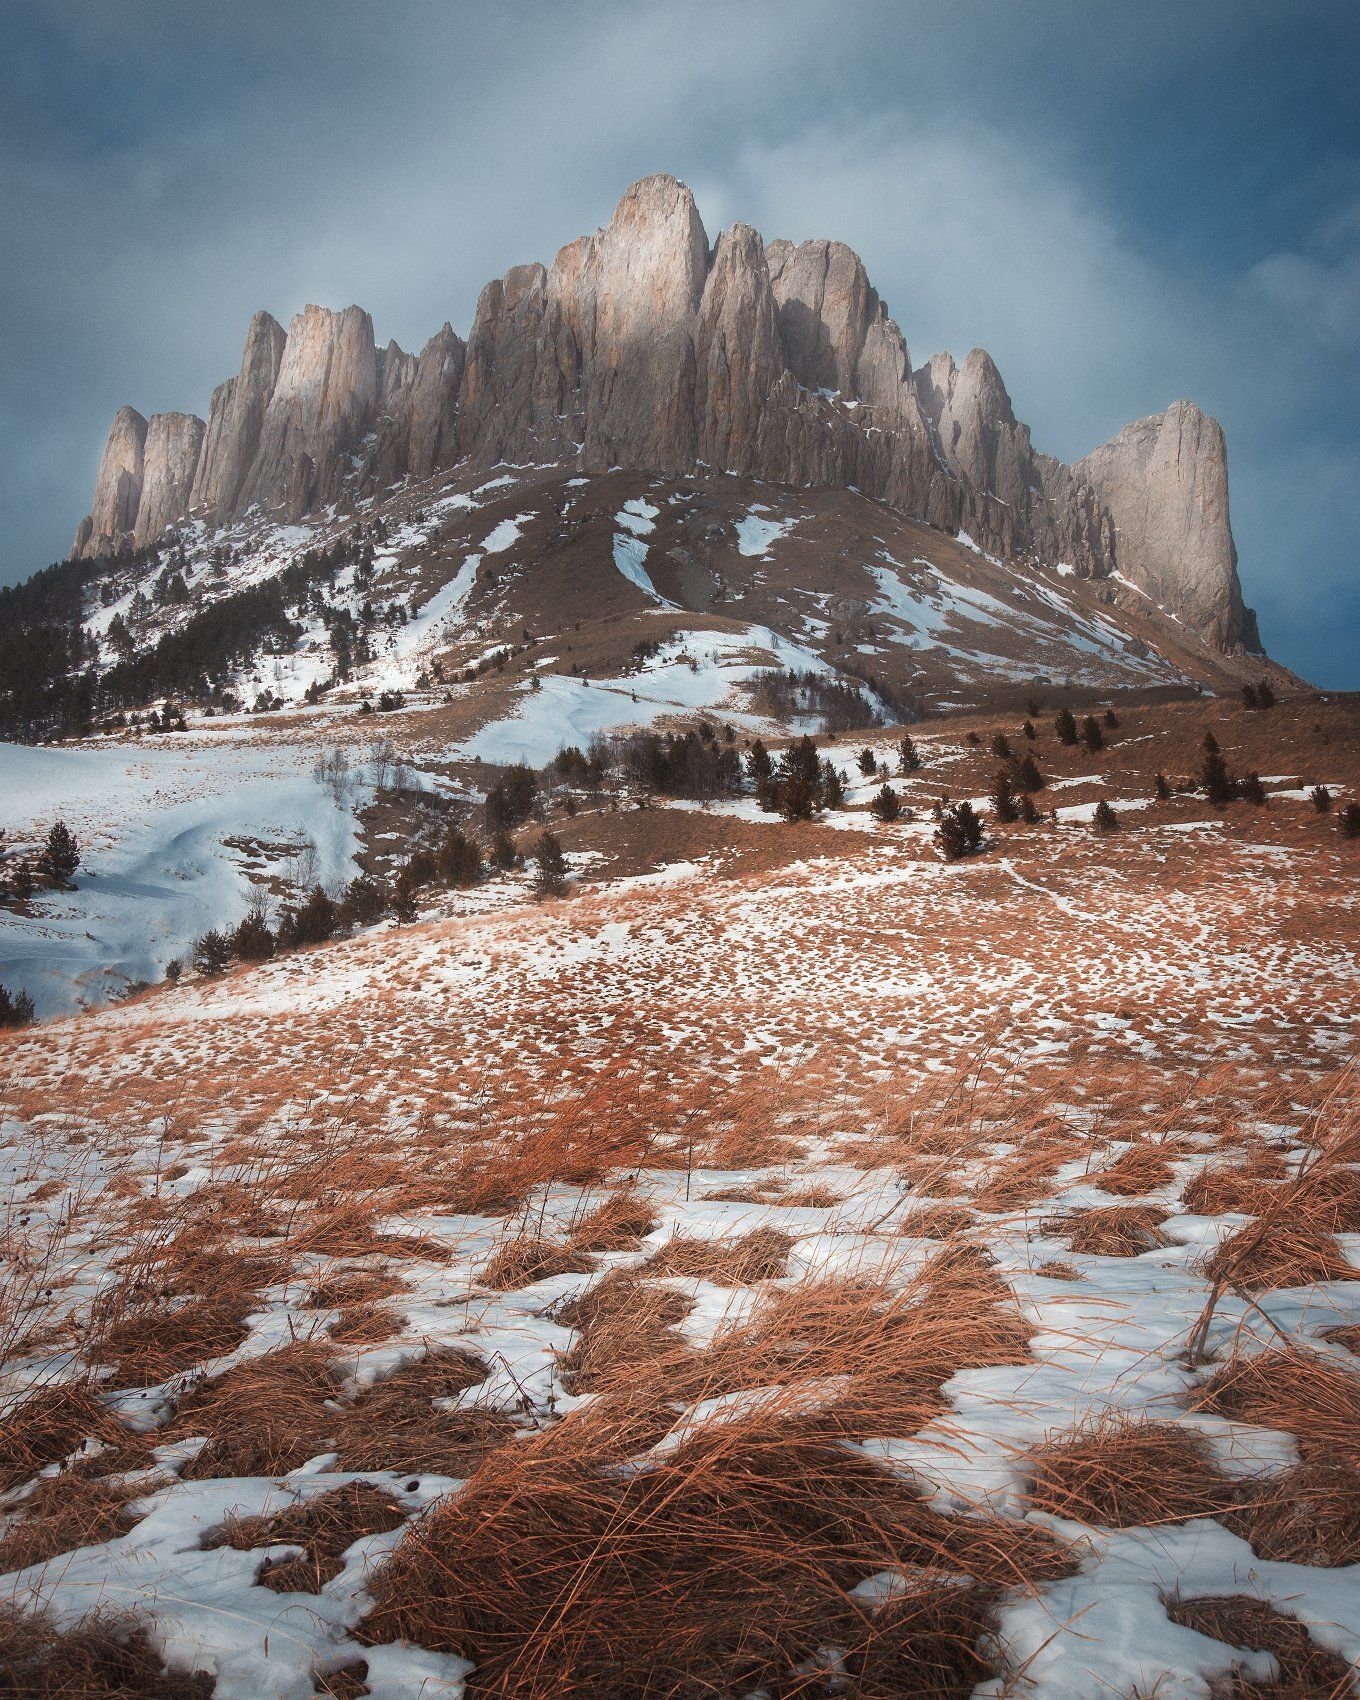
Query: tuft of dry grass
[[1221, 1189], [1141, 1168], [1313, 1397], [936, 1221], [731, 1261], [625, 1325], [1278, 1251], [261, 1417], [51, 1423], [523, 1261], [1307, 1671], [718, 1567], [619, 1224], [147, 1344], [325, 1527], [67, 1511], [1112, 1230], [1307, 1515], [395, 1425], [1127, 1473], [101, 1658], [355, 1287]]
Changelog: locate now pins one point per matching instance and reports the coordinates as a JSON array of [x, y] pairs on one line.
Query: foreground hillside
[[788, 1263]]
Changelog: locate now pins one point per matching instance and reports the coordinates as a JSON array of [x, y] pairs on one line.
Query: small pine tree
[[1265, 697], [1028, 730], [1105, 819], [868, 763], [1162, 788], [1027, 777], [1004, 807], [759, 767], [886, 805], [404, 898], [458, 859], [1091, 735], [16, 1008], [797, 797], [502, 853], [212, 952], [60, 855], [1065, 725], [959, 833], [1348, 820], [1029, 814], [1218, 784], [550, 867], [1321, 799], [908, 756], [1210, 743], [1112, 719], [832, 787], [972, 738], [1249, 696], [252, 941], [365, 902], [1252, 789], [316, 920], [1001, 746]]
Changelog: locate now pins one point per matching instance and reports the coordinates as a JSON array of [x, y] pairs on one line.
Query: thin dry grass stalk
[[1129, 1472]]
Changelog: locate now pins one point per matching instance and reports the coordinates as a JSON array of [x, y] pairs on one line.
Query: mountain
[[645, 348]]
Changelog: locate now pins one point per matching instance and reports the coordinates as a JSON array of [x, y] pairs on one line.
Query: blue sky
[[1123, 203]]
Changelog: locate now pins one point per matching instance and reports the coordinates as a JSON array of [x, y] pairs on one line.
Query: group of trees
[[52, 865]]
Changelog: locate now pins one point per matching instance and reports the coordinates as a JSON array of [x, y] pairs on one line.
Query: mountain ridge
[[642, 346]]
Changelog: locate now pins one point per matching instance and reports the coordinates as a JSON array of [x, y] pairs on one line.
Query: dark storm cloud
[[1123, 203]]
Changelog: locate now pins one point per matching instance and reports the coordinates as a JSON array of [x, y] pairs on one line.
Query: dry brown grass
[[1142, 1168], [67, 1511], [325, 1527], [814, 1196], [1221, 1189], [147, 1344], [355, 1287], [51, 1423], [716, 1569], [394, 1424], [1313, 1397], [1278, 1250], [736, 1260], [1129, 1472], [523, 1261], [619, 1224], [261, 1417], [1112, 1230], [936, 1221], [101, 1658], [1307, 1671], [624, 1325], [1307, 1515]]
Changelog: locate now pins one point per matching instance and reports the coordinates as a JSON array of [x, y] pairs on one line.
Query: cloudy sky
[[1125, 203]]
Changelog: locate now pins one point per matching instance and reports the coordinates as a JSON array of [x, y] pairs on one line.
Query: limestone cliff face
[[321, 408], [234, 420], [118, 488], [169, 462], [641, 347], [1164, 480]]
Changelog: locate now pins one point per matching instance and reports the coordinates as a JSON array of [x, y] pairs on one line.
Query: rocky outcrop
[[169, 462], [237, 413], [117, 489], [639, 347], [1164, 480], [318, 414]]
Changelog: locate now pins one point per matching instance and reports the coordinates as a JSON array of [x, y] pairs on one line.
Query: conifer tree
[[1321, 799], [60, 855], [959, 833], [458, 859], [1091, 734], [1027, 776], [1065, 725], [16, 1008], [212, 952], [1348, 820], [1003, 799], [1162, 788], [1105, 819], [550, 867], [908, 756], [886, 805], [758, 764], [502, 854], [832, 787], [868, 763]]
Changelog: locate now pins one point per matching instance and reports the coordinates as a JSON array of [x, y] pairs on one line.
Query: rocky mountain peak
[[640, 347]]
